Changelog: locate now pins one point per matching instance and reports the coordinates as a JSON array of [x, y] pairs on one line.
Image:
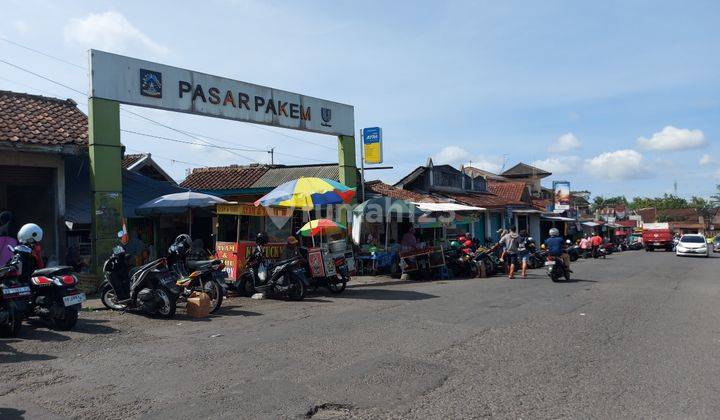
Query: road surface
[[637, 335]]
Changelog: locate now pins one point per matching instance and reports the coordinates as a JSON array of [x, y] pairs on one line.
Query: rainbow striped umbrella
[[306, 193], [320, 227]]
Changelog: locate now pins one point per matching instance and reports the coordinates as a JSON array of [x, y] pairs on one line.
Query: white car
[[693, 244]]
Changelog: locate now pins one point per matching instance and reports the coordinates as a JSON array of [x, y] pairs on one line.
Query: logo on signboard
[[151, 83], [326, 115]]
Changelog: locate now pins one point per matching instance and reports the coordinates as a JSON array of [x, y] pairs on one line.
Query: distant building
[[144, 164]]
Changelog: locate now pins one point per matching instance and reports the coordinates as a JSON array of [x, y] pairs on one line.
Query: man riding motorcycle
[[555, 246]]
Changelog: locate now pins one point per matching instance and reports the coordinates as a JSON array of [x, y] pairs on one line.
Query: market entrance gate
[[116, 79]]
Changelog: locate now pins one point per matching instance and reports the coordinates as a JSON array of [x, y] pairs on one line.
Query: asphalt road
[[637, 335]]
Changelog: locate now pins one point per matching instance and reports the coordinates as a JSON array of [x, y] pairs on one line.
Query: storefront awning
[[590, 224], [526, 211], [432, 207], [558, 218]]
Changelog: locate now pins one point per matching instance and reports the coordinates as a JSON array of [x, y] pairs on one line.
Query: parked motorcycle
[[556, 268], [281, 278], [206, 276], [461, 262], [54, 296], [489, 260], [150, 287], [573, 250], [13, 300], [285, 277], [536, 259]]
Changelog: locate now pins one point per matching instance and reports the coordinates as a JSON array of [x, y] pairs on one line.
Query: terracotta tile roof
[[541, 203], [381, 188], [224, 177], [514, 192], [34, 119], [486, 200], [129, 160]]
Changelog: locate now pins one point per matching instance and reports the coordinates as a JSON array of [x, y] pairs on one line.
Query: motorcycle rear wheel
[[297, 293], [167, 310], [214, 290], [109, 299], [338, 287], [68, 321]]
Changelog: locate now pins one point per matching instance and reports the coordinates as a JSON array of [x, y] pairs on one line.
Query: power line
[[42, 53], [43, 77], [189, 142], [167, 158], [184, 133]]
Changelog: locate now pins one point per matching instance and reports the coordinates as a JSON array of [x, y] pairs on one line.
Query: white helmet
[[554, 232], [30, 233]]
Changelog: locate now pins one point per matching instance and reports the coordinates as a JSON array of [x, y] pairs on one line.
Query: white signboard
[[137, 82]]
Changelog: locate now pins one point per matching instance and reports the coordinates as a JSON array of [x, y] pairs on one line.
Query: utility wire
[[190, 142], [165, 157], [17, 44], [42, 77]]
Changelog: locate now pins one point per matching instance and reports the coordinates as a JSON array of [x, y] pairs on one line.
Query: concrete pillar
[[105, 177]]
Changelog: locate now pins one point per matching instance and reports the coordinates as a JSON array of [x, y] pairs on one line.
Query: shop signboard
[[236, 254], [144, 83], [372, 145], [562, 195]]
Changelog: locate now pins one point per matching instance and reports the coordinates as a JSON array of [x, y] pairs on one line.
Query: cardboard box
[[198, 305]]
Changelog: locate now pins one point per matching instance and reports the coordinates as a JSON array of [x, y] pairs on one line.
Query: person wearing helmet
[[555, 246], [30, 236], [261, 239]]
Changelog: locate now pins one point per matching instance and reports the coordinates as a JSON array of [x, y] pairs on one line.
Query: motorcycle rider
[[595, 243], [29, 237], [555, 246]]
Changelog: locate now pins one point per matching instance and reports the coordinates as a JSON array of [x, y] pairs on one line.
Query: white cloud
[[110, 31], [565, 143], [456, 156], [618, 165], [706, 159], [558, 165], [671, 138], [21, 26]]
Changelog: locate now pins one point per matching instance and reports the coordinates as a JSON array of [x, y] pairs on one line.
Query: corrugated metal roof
[[278, 175]]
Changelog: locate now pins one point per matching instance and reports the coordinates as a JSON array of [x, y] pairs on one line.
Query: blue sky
[[619, 97]]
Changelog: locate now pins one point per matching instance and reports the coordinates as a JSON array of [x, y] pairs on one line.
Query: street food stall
[[322, 256], [237, 227]]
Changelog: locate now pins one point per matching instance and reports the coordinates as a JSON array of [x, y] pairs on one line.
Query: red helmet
[[468, 243], [461, 239]]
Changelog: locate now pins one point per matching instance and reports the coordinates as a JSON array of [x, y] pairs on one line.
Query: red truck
[[657, 235]]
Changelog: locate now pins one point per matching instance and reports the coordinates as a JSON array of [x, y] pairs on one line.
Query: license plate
[[74, 299], [549, 263], [17, 291], [657, 243]]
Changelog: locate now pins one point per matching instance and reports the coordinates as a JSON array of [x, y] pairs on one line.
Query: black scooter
[[13, 301], [556, 269], [54, 296], [197, 276], [150, 287], [282, 278]]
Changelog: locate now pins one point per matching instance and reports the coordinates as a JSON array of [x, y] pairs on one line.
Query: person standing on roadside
[[523, 251], [595, 242], [584, 245], [511, 241]]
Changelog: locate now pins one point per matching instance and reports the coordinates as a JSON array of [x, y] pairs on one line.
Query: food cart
[[422, 260], [237, 226]]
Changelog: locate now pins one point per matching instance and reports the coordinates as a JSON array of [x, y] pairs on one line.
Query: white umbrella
[[178, 203]]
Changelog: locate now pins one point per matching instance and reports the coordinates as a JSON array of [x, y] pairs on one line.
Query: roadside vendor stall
[[377, 226], [237, 227]]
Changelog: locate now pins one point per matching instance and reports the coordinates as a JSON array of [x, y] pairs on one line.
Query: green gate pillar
[[105, 177], [347, 165], [347, 168]]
